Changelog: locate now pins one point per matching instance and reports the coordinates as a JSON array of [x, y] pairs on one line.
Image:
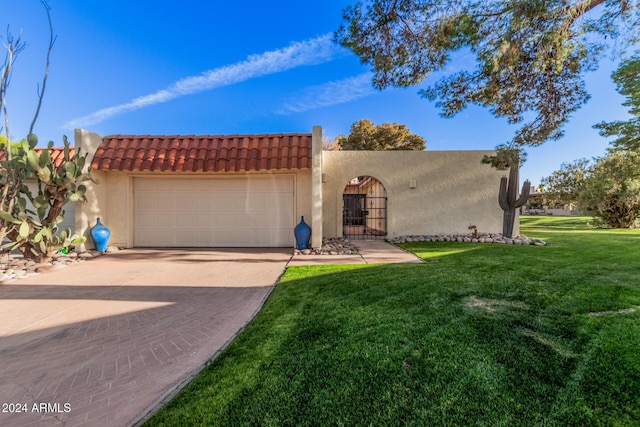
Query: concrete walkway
[[371, 252]]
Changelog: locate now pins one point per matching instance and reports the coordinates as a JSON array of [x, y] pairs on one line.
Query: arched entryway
[[364, 209]]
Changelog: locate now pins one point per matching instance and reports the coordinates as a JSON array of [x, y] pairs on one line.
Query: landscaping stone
[[45, 268], [14, 266], [331, 246], [469, 238]]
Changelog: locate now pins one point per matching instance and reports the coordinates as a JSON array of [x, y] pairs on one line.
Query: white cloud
[[331, 93], [310, 52]]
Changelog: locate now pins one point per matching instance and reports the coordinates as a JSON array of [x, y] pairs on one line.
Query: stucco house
[[251, 190]]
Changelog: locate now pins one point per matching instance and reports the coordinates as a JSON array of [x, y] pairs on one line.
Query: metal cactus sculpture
[[509, 200]]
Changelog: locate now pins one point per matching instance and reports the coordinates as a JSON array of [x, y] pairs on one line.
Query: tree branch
[[52, 41], [13, 48]]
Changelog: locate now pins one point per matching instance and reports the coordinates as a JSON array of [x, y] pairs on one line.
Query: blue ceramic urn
[[100, 235], [302, 232]]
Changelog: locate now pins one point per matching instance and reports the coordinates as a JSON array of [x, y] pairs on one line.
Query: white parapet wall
[[428, 192]]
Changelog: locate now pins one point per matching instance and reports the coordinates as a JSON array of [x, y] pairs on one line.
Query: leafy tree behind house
[[608, 188], [564, 186], [365, 135], [530, 56], [627, 79], [611, 191]]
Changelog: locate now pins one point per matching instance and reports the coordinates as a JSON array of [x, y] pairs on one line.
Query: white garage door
[[214, 212]]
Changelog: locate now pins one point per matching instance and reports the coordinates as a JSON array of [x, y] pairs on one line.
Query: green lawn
[[480, 334]]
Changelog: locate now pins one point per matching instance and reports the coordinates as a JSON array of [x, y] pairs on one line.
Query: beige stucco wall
[[453, 190], [315, 185], [86, 212]]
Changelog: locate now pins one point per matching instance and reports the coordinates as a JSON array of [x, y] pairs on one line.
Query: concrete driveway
[[101, 343]]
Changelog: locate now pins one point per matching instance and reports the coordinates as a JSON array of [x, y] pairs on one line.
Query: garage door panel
[[203, 238], [164, 202], [275, 202], [187, 201], [271, 185], [155, 236], [187, 237], [232, 202], [240, 237], [264, 201], [146, 202], [214, 212], [203, 220], [237, 221], [232, 185], [165, 220], [266, 222], [152, 185], [189, 185], [264, 236]]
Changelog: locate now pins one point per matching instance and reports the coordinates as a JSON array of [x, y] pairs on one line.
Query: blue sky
[[214, 67]]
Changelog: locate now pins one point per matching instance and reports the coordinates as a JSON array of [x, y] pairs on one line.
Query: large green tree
[[608, 188], [565, 185], [530, 55], [611, 190], [627, 133], [365, 135]]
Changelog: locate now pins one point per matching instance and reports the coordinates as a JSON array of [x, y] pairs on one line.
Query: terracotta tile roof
[[57, 155], [230, 153]]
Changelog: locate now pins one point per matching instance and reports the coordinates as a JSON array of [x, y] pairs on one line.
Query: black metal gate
[[364, 209]]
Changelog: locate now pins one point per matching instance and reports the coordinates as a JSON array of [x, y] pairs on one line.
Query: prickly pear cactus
[[35, 232]]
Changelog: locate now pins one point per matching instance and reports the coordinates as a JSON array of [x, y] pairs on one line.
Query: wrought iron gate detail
[[364, 209]]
